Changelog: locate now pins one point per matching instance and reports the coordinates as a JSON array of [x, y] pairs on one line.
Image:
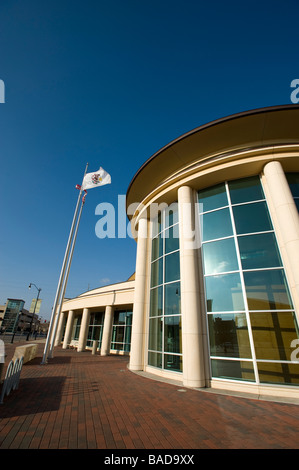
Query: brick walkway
[[81, 401]]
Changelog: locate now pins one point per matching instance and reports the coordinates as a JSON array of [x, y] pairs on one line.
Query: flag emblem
[[96, 178]]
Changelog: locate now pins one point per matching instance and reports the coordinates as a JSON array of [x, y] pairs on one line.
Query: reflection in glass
[[155, 334], [172, 267], [220, 256], [212, 198], [157, 247], [273, 333], [228, 335], [267, 290], [155, 359], [278, 373], [259, 251], [172, 299], [250, 218], [171, 236], [173, 362], [235, 370], [173, 334], [246, 190], [156, 300], [216, 224], [157, 273], [224, 293]]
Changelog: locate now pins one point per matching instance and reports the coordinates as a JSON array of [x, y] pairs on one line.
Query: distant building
[[15, 317]]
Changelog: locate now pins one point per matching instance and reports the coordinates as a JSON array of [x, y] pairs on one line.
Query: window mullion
[[242, 285]]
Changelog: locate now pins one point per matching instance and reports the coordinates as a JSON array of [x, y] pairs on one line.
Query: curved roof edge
[[207, 126]]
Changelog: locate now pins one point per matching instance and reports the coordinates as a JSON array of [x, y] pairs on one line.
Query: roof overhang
[[248, 130]]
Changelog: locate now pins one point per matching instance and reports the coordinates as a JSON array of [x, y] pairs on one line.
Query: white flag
[[98, 178]]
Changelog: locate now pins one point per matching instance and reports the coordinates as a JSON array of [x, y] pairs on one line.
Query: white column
[[107, 329], [83, 330], [285, 219], [68, 329], [141, 276], [192, 331], [60, 329]]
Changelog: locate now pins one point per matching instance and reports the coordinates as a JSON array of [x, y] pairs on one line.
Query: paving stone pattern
[[85, 401]]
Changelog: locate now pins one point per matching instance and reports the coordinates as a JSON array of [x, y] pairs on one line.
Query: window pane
[[224, 293], [172, 299], [173, 334], [212, 198], [118, 334], [172, 267], [236, 370], [252, 218], [229, 335], [155, 334], [119, 318], [156, 302], [293, 180], [155, 359], [216, 225], [276, 373], [259, 251], [273, 334], [220, 256], [245, 190], [174, 363], [157, 273], [171, 239], [157, 247], [267, 290]]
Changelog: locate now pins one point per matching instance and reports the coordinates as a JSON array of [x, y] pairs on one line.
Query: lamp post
[[29, 332]]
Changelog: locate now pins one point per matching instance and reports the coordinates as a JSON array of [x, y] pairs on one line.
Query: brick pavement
[[81, 401]]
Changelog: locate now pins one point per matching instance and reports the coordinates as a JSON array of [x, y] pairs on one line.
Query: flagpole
[[53, 336], [58, 291]]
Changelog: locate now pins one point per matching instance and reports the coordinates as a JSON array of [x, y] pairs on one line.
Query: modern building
[[215, 299], [14, 317]]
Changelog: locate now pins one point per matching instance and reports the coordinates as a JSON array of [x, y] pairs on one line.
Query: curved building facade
[[100, 319], [216, 298]]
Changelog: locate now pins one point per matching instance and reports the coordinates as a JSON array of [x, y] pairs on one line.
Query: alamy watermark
[[295, 353], [114, 223], [2, 91], [295, 93]]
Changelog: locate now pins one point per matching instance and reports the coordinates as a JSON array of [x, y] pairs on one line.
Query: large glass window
[[121, 330], [251, 320], [165, 335], [95, 329]]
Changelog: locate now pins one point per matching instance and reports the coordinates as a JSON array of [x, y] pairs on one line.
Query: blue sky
[[110, 83]]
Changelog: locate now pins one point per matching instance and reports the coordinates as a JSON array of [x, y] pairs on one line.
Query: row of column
[[194, 335], [106, 336]]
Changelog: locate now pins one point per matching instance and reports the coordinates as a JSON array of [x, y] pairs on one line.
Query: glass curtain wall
[[165, 334], [121, 330], [95, 329], [251, 320]]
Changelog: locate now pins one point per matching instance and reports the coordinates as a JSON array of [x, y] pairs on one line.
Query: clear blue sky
[[110, 83]]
